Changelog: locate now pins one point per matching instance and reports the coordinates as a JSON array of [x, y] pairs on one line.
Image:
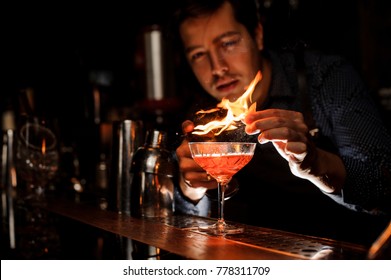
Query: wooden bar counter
[[179, 236]]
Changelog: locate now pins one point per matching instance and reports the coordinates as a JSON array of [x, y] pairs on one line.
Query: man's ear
[[259, 36]]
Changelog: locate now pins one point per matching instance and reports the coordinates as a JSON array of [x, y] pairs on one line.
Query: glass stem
[[221, 191]]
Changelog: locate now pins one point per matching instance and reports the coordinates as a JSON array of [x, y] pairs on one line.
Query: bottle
[[153, 172]]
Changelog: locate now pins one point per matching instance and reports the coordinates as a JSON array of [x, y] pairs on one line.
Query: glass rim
[[48, 131]]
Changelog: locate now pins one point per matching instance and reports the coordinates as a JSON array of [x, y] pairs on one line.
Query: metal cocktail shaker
[[128, 136], [153, 172]]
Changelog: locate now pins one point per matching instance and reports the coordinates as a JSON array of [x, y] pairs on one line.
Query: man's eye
[[230, 43], [197, 56]]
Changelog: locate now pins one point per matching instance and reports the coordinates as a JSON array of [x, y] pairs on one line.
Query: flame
[[43, 146], [236, 111]]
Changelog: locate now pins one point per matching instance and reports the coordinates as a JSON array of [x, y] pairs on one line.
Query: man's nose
[[218, 64]]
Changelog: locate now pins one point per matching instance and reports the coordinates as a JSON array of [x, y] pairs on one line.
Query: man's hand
[[289, 134]]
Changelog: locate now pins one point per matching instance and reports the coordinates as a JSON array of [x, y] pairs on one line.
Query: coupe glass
[[222, 160]]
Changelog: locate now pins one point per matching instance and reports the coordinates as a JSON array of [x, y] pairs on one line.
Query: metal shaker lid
[[153, 157], [156, 139]]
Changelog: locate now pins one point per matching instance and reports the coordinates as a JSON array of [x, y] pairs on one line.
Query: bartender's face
[[221, 52]]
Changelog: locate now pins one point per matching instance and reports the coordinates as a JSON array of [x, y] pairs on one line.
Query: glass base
[[221, 229]]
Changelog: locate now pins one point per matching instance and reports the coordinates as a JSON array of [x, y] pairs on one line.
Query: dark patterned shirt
[[349, 125], [348, 118]]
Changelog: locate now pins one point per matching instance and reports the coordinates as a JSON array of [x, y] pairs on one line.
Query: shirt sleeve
[[348, 115], [184, 206]]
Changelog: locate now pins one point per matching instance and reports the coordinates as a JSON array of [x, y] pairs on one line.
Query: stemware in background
[[37, 162], [37, 155], [222, 160]]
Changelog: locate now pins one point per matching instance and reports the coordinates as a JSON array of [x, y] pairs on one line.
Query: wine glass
[[222, 160], [37, 155], [37, 162]]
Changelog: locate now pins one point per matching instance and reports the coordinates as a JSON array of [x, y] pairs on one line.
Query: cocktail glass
[[222, 160]]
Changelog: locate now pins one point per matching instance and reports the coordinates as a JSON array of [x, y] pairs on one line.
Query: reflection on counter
[[80, 230]]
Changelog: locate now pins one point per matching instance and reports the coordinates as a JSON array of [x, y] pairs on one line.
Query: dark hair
[[245, 11]]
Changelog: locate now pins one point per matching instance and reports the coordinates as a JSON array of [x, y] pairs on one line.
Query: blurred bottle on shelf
[[158, 105]]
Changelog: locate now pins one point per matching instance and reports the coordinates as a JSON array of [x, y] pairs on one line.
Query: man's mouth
[[225, 87]]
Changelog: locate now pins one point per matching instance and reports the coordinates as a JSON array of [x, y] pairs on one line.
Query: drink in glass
[[222, 160]]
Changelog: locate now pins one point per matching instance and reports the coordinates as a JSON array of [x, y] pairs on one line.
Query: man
[[289, 182]]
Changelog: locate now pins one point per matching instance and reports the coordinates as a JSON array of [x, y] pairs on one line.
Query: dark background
[[56, 48]]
